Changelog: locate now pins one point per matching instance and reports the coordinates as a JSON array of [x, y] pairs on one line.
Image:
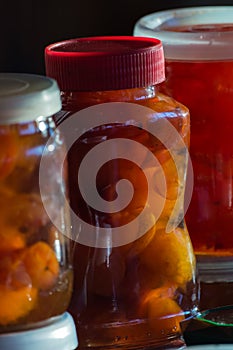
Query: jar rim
[[206, 43]]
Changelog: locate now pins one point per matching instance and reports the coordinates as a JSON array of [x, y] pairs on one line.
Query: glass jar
[[35, 265], [199, 73], [134, 267]]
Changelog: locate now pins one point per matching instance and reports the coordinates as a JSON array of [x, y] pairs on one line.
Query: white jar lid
[[25, 97], [59, 335], [209, 44]]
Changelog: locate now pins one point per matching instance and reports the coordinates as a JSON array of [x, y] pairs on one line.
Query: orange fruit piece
[[170, 257], [170, 172], [8, 150], [42, 265], [21, 212], [118, 169], [143, 233], [11, 239], [16, 303], [164, 315], [166, 291], [28, 212], [12, 270]]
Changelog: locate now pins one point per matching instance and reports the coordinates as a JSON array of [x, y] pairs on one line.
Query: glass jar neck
[[78, 100]]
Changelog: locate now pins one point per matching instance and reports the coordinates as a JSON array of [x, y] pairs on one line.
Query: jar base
[[130, 337], [174, 345], [177, 344]]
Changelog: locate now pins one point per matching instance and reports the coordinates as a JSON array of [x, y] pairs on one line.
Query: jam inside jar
[[199, 73], [134, 280], [141, 291], [35, 267]]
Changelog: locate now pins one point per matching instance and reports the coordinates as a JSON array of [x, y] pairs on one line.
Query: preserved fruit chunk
[[42, 265], [168, 256], [16, 303], [164, 315]]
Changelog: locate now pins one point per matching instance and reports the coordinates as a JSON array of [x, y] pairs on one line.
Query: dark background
[[28, 26]]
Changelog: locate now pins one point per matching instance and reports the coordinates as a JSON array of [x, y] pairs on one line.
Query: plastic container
[[134, 267], [199, 73], [59, 335], [35, 265]]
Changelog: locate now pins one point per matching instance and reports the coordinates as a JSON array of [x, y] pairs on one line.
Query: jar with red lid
[[35, 264], [134, 267]]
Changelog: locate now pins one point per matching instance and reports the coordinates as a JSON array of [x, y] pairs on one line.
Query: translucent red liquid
[[206, 88]]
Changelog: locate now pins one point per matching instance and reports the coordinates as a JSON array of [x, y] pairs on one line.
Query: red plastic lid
[[105, 63]]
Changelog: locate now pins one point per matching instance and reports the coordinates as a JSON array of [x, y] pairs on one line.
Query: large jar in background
[[35, 264], [134, 267], [199, 73]]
